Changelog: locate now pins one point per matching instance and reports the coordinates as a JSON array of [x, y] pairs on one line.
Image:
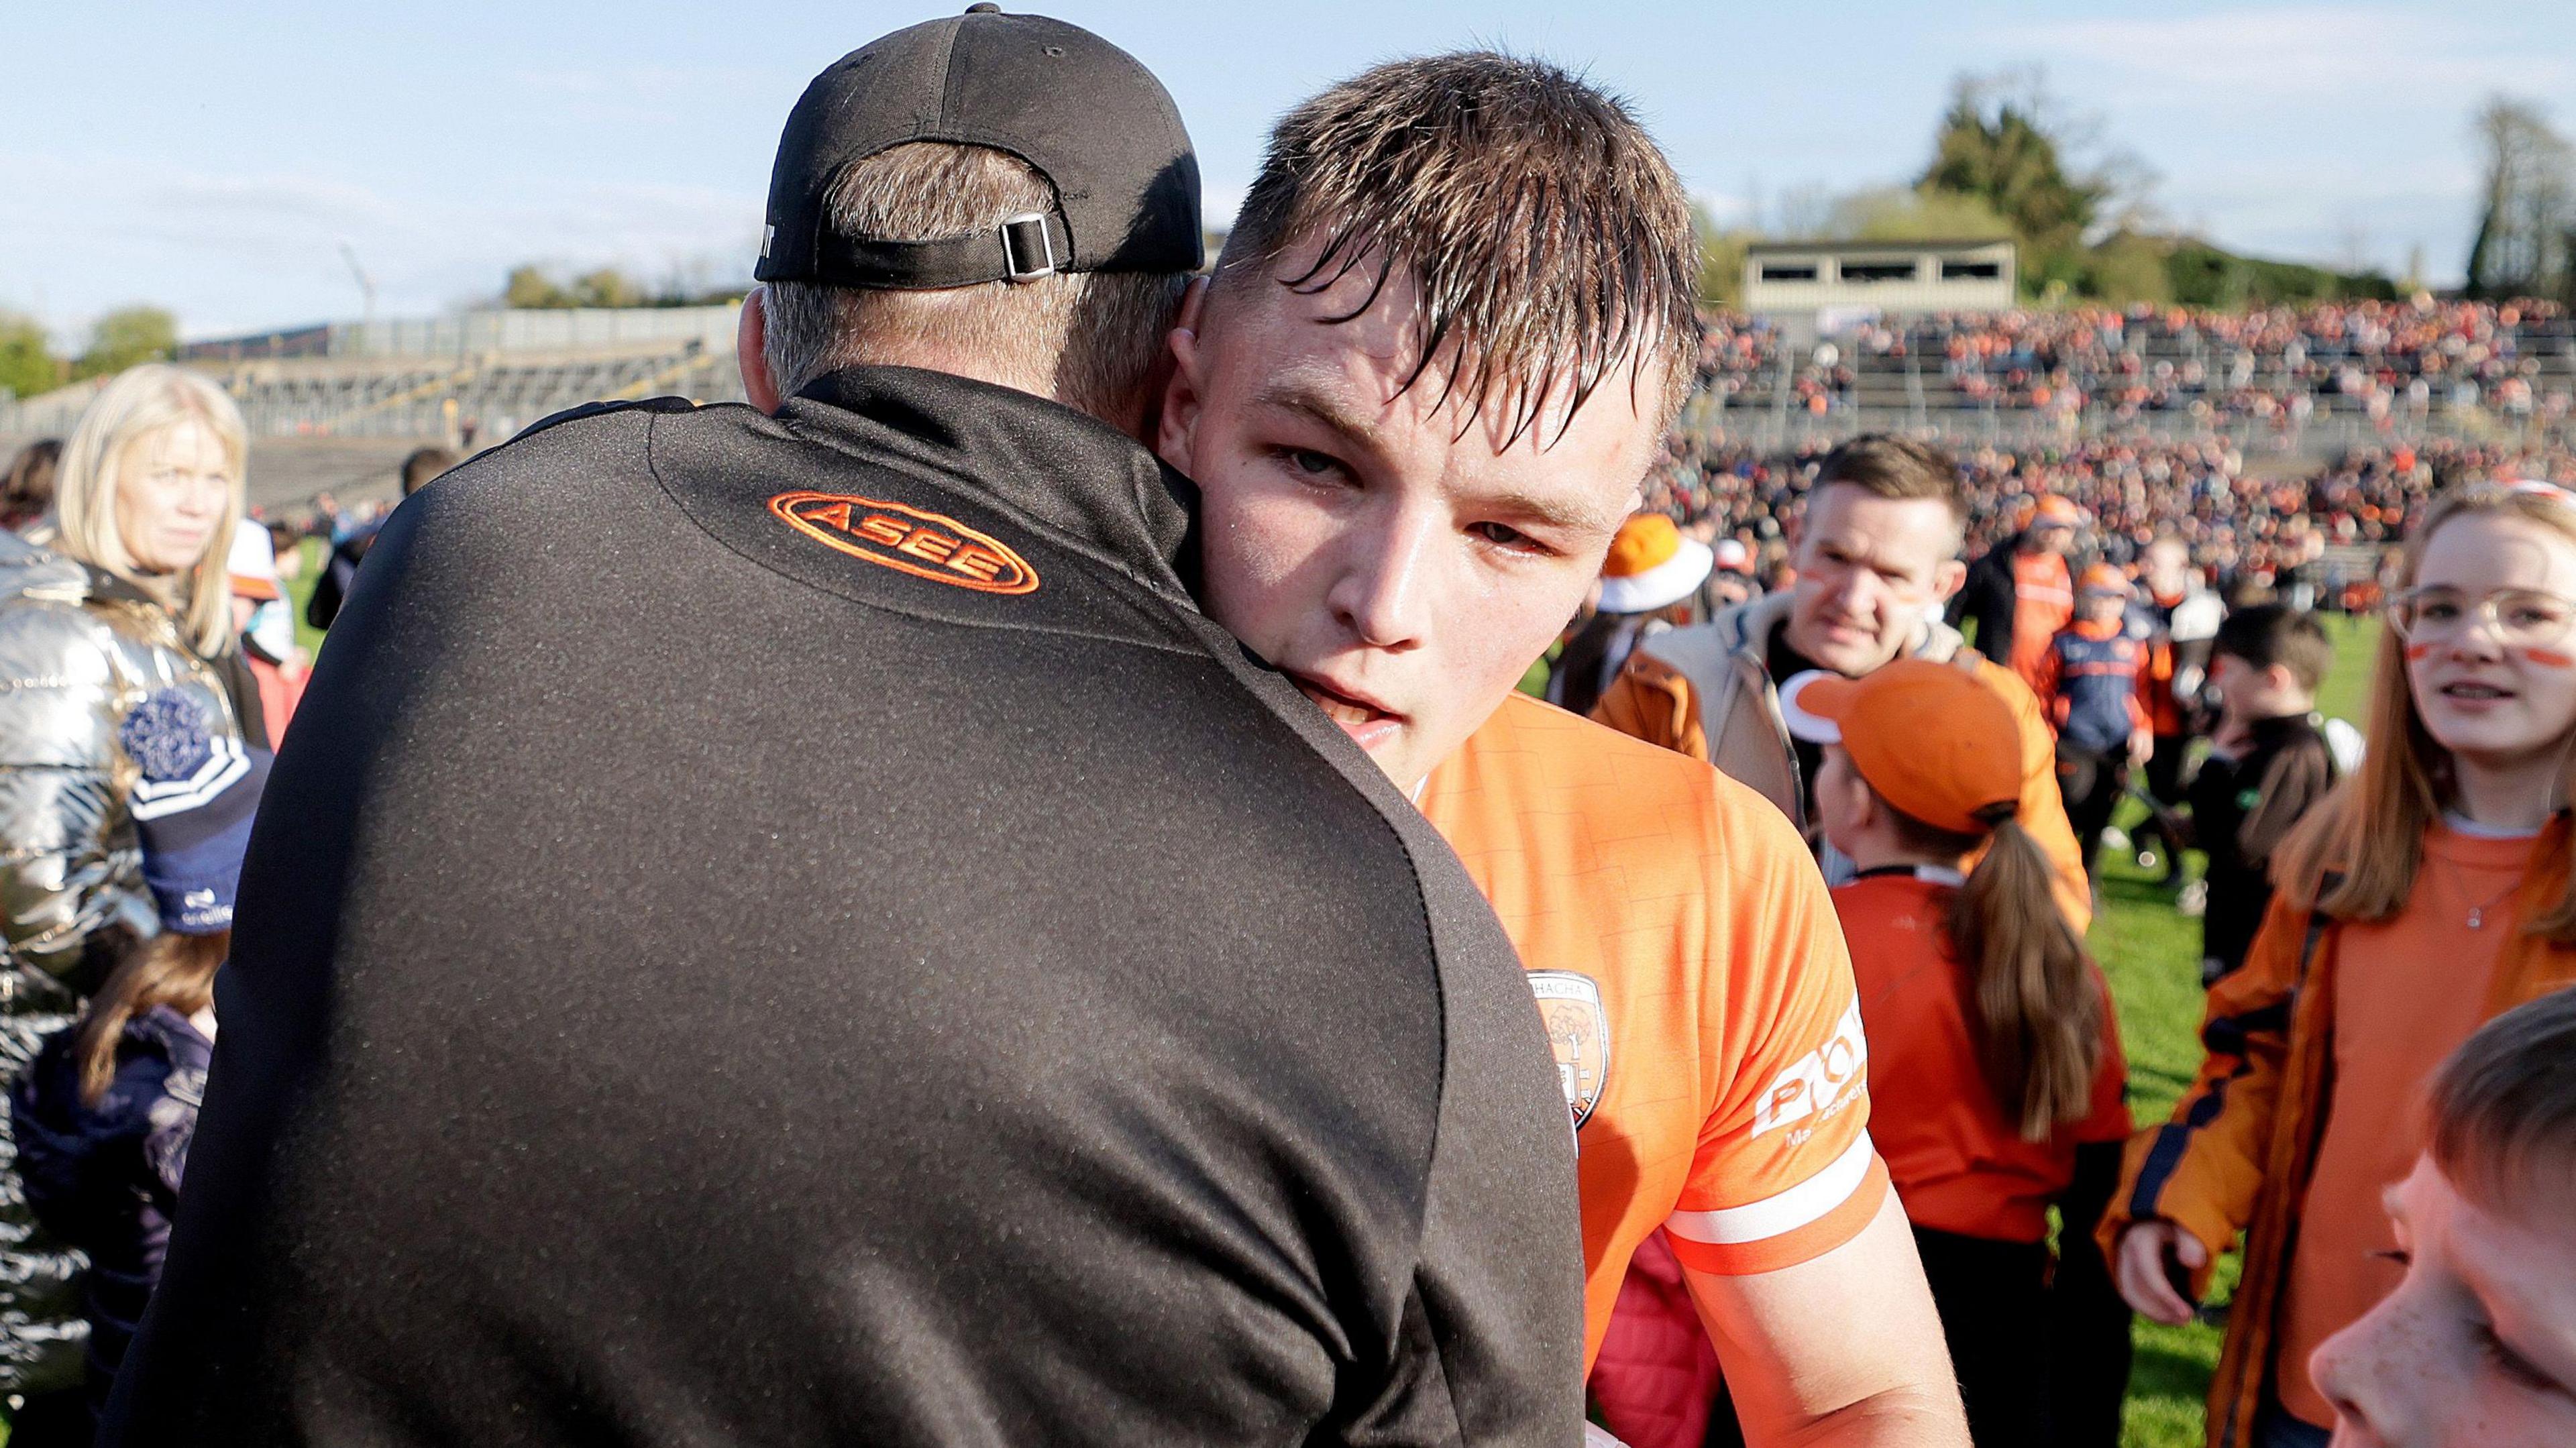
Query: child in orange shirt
[[1993, 1054]]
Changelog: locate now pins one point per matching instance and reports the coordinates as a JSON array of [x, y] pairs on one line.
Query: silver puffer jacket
[[78, 648]]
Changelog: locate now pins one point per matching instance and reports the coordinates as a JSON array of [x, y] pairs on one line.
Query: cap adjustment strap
[[1026, 240], [1021, 248]]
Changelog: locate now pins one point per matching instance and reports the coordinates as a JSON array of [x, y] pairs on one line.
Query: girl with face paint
[[2429, 893]]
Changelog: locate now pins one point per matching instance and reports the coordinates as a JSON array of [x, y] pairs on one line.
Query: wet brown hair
[[1550, 239]]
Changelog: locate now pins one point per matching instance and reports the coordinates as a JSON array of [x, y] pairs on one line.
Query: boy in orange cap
[[2089, 683], [1997, 1088]]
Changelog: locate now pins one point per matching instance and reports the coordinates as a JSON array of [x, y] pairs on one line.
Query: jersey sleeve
[[1784, 1171]]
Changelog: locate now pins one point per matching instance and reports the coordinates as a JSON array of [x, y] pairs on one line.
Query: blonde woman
[[121, 697], [2428, 893]]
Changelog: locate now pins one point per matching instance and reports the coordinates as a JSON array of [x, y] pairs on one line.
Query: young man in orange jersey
[[1450, 326]]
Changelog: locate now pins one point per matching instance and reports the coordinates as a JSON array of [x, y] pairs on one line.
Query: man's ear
[[1177, 423], [751, 354], [1947, 578]]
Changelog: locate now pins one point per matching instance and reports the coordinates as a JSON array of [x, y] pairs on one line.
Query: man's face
[[2168, 568], [2478, 1343], [1402, 561], [1868, 569], [2049, 536]]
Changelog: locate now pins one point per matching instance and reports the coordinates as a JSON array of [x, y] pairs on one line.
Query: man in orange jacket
[[1877, 554], [1416, 432]]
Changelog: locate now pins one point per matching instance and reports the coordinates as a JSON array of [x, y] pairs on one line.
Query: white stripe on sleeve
[[1782, 1212]]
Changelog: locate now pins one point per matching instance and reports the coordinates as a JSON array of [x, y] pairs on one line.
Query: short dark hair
[[424, 465], [2504, 1104], [1549, 237], [2265, 634], [1900, 468]]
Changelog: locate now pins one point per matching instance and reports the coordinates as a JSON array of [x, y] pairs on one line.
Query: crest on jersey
[[1578, 1031]]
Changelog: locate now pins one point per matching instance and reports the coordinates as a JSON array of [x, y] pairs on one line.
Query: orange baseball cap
[[2103, 578], [1934, 740]]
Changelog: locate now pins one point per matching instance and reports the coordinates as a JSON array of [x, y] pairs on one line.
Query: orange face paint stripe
[[2418, 651], [2549, 658], [908, 540]]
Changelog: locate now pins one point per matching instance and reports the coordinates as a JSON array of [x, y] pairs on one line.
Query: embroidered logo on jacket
[[1578, 1031], [907, 540]]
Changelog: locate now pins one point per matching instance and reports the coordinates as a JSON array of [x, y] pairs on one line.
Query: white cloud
[[2302, 53]]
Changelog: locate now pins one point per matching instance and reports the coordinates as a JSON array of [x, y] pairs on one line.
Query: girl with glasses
[[2428, 893]]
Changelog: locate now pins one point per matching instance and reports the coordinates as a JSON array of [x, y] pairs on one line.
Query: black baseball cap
[[1079, 110]]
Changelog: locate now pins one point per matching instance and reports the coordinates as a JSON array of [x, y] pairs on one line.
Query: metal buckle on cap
[[1016, 248]]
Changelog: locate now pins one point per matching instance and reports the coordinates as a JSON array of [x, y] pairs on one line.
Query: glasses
[[2514, 617]]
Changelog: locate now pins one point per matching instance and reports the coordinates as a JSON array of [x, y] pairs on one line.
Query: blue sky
[[213, 159]]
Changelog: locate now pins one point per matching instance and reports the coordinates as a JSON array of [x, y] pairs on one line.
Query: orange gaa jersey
[[1695, 986]]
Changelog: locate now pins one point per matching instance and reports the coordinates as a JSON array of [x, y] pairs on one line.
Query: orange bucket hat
[[1651, 565]]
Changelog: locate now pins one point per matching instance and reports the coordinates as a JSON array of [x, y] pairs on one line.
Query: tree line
[[2009, 163], [118, 340]]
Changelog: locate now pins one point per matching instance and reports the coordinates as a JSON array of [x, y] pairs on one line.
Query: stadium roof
[[1819, 248]]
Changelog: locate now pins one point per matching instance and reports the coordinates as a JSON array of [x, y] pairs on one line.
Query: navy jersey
[[2093, 689]]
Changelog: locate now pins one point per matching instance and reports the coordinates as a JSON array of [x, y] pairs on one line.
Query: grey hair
[[1087, 339]]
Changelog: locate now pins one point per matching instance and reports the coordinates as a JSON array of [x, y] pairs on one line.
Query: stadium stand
[[2105, 394]]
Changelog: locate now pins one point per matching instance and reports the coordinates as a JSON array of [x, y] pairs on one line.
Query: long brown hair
[[171, 970], [2368, 833], [2038, 1018]]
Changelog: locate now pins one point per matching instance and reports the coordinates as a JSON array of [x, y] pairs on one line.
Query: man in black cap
[[793, 929]]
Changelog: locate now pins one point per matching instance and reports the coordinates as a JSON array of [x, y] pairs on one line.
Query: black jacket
[[1986, 600], [339, 571], [797, 932], [2241, 810], [1989, 597]]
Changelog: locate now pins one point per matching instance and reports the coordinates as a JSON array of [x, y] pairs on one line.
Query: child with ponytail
[[2426, 894], [1995, 1070]]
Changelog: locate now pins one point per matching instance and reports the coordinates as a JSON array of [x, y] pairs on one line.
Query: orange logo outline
[[907, 540]]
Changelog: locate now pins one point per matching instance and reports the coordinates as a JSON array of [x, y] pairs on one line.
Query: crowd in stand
[[2254, 528], [2382, 360]]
